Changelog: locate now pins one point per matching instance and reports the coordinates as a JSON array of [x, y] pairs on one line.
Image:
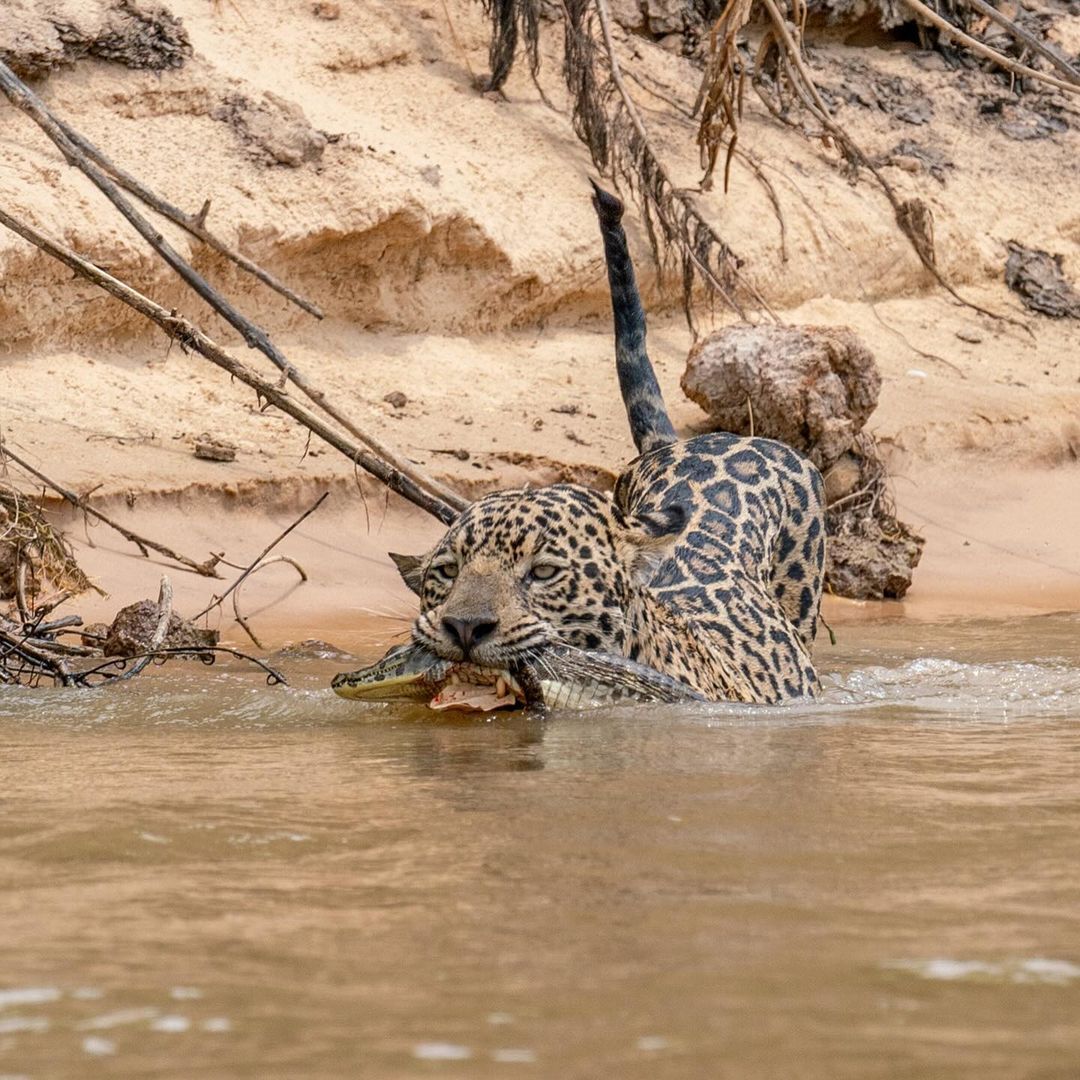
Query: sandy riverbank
[[449, 238]]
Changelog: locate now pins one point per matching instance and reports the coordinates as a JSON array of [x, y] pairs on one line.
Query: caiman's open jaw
[[410, 673], [477, 689]]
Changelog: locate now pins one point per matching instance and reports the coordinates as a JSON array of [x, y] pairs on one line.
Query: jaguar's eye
[[448, 570], [544, 571]]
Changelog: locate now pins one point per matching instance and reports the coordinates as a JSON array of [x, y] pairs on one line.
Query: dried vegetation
[[757, 46], [39, 574]]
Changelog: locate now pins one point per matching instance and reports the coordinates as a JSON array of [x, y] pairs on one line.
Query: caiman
[[560, 676]]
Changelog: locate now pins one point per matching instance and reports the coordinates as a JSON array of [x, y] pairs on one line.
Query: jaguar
[[705, 564]]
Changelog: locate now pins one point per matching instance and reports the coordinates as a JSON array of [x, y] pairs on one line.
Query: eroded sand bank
[[449, 237]]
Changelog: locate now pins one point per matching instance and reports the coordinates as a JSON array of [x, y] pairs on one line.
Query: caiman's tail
[[645, 409]]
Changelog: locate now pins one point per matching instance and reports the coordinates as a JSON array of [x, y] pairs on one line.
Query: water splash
[[939, 685]]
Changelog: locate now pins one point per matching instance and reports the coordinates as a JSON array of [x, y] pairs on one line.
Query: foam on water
[[1035, 970], [940, 685]]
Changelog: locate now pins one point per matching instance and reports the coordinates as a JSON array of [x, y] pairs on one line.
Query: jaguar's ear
[[662, 524], [647, 560], [649, 537], [411, 569]]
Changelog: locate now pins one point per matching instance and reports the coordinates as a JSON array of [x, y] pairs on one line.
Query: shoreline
[[355, 600]]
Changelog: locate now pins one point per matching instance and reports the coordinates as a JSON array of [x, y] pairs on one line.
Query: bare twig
[[254, 564], [145, 546], [404, 480], [160, 630], [254, 570], [258, 564], [755, 167]]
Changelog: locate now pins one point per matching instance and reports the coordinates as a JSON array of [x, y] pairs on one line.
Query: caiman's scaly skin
[[706, 566], [561, 677]]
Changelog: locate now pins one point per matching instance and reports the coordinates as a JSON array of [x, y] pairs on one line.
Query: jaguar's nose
[[469, 632]]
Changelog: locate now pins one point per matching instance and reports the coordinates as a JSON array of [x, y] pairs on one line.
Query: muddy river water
[[203, 876]]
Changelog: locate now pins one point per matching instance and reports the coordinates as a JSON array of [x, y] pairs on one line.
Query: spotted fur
[[705, 565]]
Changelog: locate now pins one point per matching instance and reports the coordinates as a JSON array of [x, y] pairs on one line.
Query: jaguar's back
[[732, 607]]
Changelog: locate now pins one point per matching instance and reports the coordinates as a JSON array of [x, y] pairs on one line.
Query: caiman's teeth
[[454, 678], [500, 687]]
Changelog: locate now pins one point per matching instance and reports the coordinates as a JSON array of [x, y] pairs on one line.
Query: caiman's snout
[[465, 633]]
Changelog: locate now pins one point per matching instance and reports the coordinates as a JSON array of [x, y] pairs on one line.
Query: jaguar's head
[[519, 569]]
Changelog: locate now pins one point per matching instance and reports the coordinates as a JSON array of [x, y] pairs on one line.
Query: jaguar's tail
[[645, 409]]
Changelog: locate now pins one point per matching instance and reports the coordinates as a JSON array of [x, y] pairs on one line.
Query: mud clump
[[812, 387], [871, 564], [34, 42], [272, 131], [1037, 277], [214, 448], [870, 553], [133, 628]]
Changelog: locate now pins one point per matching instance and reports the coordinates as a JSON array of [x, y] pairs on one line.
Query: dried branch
[[720, 96], [912, 216], [145, 546], [195, 224], [976, 46], [1027, 39], [403, 480], [704, 253], [254, 570], [34, 657], [257, 564], [20, 589], [25, 99]]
